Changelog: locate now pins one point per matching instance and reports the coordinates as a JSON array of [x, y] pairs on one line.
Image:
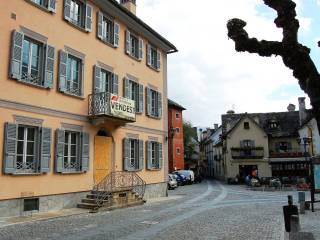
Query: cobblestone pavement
[[209, 210]]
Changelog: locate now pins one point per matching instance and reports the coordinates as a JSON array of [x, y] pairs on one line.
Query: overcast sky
[[207, 76]]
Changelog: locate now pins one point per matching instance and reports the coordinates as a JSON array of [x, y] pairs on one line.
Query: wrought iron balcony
[[289, 153], [111, 107], [247, 153]]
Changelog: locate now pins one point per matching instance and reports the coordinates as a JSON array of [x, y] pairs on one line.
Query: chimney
[[216, 126], [291, 107], [130, 5], [302, 110]]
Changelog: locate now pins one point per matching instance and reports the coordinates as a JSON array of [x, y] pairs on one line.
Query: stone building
[[83, 94]]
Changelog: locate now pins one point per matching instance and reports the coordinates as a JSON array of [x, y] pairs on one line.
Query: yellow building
[[83, 93]]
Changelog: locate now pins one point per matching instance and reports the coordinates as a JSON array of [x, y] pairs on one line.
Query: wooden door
[[102, 157]]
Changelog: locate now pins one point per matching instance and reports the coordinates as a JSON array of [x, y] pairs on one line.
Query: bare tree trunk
[[294, 55]]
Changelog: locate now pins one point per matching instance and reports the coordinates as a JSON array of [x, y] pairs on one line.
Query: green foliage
[[189, 137]]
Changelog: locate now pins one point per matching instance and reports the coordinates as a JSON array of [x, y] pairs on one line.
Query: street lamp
[[305, 141]]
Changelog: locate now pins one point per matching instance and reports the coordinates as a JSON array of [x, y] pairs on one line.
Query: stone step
[[93, 201], [87, 205]]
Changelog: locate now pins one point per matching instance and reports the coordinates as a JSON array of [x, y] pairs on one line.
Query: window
[[177, 115], [133, 154], [70, 74], [178, 151], [283, 146], [134, 45], [73, 75], [154, 57], [154, 103], [78, 13], [134, 91], [49, 5], [72, 151], [154, 159], [27, 149], [178, 130], [108, 30], [246, 125], [105, 81], [31, 204], [31, 61]]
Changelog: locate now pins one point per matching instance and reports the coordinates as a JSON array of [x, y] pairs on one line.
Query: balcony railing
[[247, 153], [290, 153], [110, 106]]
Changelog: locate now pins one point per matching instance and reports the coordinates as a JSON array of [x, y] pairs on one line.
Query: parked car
[[189, 175], [172, 182], [275, 182], [181, 179]]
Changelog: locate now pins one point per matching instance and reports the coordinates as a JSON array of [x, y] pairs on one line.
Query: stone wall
[[156, 190]]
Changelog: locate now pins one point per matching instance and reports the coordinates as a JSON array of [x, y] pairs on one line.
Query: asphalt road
[[209, 210]]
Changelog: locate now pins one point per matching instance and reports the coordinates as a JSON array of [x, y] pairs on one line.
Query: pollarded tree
[[294, 55]]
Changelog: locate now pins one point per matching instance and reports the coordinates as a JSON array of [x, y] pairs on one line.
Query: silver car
[[172, 182]]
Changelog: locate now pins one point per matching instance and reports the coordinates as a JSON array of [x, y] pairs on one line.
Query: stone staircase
[[117, 190]]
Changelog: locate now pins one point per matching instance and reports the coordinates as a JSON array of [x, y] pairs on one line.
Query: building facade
[[83, 94], [175, 133], [266, 142]]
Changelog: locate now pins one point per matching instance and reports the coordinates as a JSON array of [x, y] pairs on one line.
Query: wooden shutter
[[52, 5], [126, 154], [141, 155], [148, 99], [140, 107], [149, 148], [116, 34], [99, 27], [160, 155], [128, 42], [97, 80], [16, 55], [63, 59], [126, 88], [115, 83], [10, 147], [158, 60], [88, 21], [60, 136], [149, 55], [45, 150], [85, 151], [67, 10], [159, 95], [140, 48], [49, 67]]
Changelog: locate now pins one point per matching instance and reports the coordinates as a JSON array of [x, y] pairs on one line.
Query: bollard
[[294, 224], [288, 212], [302, 201]]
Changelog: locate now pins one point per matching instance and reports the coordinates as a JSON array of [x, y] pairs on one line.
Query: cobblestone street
[[209, 210]]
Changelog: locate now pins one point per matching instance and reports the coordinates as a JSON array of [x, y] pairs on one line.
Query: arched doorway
[[102, 154]]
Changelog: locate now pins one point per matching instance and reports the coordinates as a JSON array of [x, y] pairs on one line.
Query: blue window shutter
[[97, 80], [52, 5], [160, 156], [148, 99], [45, 150], [115, 83], [88, 21], [116, 34], [126, 154], [141, 155], [67, 10], [158, 60], [49, 67], [63, 59], [16, 55], [99, 28], [148, 147], [149, 55], [60, 136], [159, 105], [140, 48], [10, 148], [126, 86], [128, 42], [140, 98], [85, 151]]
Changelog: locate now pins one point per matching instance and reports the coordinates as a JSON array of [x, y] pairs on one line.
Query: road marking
[[150, 222]]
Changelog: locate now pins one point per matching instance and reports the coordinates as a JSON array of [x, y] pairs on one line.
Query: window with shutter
[[134, 45], [132, 154], [108, 30], [78, 13], [154, 103], [153, 57], [88, 18], [154, 155], [45, 150], [49, 5]]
